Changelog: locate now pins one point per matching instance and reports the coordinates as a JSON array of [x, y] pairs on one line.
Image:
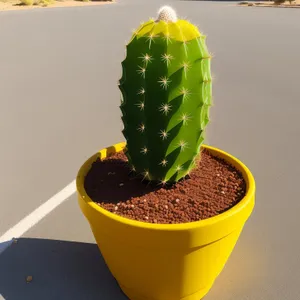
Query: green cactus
[[166, 95]]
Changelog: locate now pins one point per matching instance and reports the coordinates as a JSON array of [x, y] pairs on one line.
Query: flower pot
[[166, 261]]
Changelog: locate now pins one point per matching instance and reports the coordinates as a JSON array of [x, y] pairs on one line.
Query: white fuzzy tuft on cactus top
[[167, 14]]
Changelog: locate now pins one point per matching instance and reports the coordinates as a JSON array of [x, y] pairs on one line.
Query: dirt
[[15, 4], [286, 4], [212, 188]]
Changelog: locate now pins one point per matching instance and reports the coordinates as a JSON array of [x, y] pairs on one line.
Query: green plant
[[166, 95]]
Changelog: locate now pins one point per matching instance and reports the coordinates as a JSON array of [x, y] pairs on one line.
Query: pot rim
[[240, 206]]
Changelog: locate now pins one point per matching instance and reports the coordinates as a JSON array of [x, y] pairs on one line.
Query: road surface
[[59, 104]]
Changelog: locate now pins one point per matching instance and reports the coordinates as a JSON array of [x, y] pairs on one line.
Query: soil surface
[[212, 188]]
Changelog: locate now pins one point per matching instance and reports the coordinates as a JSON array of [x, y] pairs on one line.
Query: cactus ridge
[[166, 95]]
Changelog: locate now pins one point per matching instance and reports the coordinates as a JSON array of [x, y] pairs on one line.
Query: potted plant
[[165, 209]]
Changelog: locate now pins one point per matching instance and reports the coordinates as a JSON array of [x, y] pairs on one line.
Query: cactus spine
[[166, 95]]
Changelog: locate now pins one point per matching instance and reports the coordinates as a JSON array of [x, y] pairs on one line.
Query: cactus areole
[[166, 95]]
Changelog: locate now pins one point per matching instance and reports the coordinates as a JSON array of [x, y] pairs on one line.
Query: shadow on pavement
[[59, 269]]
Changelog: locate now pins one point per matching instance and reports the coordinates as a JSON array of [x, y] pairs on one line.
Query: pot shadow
[[59, 270]]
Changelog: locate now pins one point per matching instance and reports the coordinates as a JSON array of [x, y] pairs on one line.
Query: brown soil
[[212, 188]]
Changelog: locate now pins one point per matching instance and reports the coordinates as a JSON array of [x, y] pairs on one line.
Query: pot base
[[196, 296]]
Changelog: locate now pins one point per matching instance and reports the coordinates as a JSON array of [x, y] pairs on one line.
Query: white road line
[[38, 214], [3, 246]]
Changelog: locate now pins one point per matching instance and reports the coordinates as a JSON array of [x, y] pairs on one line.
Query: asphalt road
[[59, 104]]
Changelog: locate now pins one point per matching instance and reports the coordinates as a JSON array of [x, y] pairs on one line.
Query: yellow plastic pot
[[166, 261]]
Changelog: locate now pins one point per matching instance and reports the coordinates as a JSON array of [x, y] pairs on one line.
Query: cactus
[[166, 95]]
